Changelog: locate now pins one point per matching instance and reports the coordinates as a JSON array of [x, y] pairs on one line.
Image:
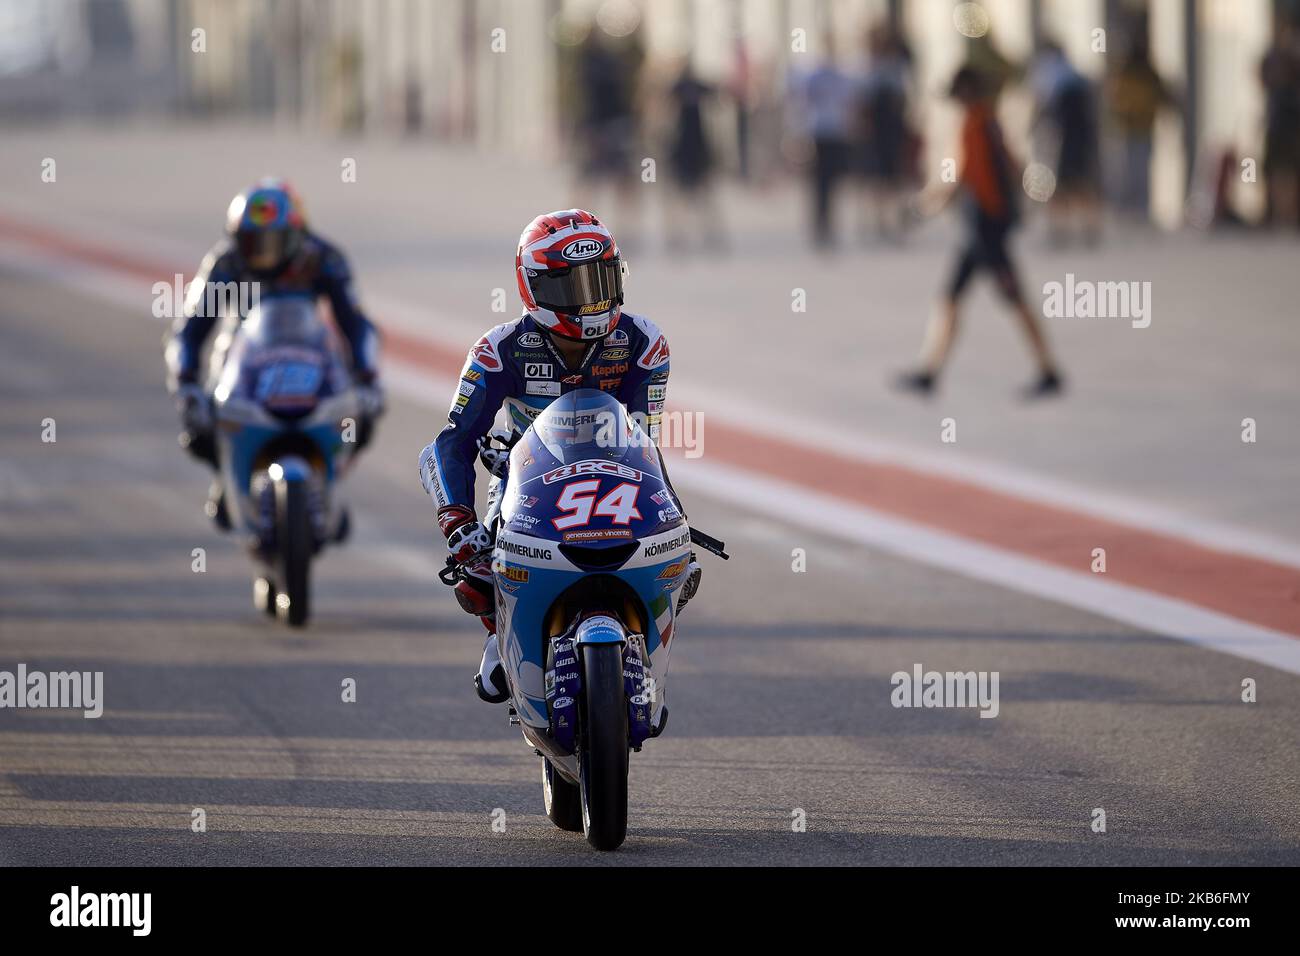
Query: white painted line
[[837, 518]]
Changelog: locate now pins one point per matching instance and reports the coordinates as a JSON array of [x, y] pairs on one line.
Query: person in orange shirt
[[987, 185]]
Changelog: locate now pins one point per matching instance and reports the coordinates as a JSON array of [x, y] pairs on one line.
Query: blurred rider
[[268, 248], [573, 334]]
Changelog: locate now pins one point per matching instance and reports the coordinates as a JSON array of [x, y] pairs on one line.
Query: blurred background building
[[1184, 93]]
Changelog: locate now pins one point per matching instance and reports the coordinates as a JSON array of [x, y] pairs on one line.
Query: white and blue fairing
[[586, 495], [282, 375]]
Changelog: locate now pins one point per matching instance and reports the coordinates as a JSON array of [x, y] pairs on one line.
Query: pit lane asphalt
[[779, 689]]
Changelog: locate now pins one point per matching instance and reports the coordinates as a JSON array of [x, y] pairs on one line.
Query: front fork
[[289, 469], [564, 679]]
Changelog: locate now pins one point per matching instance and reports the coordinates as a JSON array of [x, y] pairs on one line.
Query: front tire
[[562, 799], [294, 541], [603, 748]]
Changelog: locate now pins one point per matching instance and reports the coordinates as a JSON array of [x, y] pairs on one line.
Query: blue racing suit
[[516, 365], [316, 269]]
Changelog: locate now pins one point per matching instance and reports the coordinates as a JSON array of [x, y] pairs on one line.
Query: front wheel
[[563, 802], [603, 748], [294, 542]]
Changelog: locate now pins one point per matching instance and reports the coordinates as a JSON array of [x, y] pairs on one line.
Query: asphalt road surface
[[780, 686]]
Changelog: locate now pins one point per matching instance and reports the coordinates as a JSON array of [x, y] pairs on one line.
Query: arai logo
[[580, 249]]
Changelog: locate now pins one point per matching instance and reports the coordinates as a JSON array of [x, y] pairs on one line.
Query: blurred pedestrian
[[994, 68], [606, 84], [691, 160], [740, 85], [823, 101], [766, 124], [988, 186], [1279, 71], [1137, 94], [882, 120], [1066, 108]]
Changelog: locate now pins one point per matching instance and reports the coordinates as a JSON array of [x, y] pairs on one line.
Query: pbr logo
[[592, 466], [581, 249]]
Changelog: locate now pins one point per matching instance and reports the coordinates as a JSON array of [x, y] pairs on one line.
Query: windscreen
[[585, 473], [587, 425], [285, 321], [282, 359]]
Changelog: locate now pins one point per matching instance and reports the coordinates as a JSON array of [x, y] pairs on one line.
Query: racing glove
[[370, 406], [194, 407], [370, 399], [466, 538]]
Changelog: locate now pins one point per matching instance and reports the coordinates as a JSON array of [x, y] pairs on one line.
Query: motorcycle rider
[[573, 334], [268, 247]]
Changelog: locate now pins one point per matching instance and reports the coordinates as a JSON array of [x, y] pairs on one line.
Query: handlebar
[[710, 544], [454, 570]]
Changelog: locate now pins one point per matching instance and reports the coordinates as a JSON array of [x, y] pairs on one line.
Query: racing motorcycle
[[591, 554], [287, 427]]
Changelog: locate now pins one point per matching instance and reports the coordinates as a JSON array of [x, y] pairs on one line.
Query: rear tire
[[562, 799], [294, 540], [603, 748]]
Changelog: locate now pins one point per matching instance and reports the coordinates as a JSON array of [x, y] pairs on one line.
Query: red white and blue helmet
[[570, 275], [267, 223]]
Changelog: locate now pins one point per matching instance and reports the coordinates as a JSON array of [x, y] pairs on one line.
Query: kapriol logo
[[580, 249]]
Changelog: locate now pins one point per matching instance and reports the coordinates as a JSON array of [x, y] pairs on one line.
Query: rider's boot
[[490, 681]]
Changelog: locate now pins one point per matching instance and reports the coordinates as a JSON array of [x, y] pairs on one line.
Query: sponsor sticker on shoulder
[[485, 354], [466, 388], [655, 355]]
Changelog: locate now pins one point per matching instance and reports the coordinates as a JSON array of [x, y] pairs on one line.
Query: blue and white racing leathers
[[515, 365]]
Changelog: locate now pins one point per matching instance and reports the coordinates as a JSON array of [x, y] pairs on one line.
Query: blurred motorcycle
[[287, 424]]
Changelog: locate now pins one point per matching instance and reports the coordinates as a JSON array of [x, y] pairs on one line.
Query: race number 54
[[578, 499]]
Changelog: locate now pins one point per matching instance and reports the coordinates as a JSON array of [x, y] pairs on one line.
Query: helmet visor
[[586, 289], [263, 248]]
